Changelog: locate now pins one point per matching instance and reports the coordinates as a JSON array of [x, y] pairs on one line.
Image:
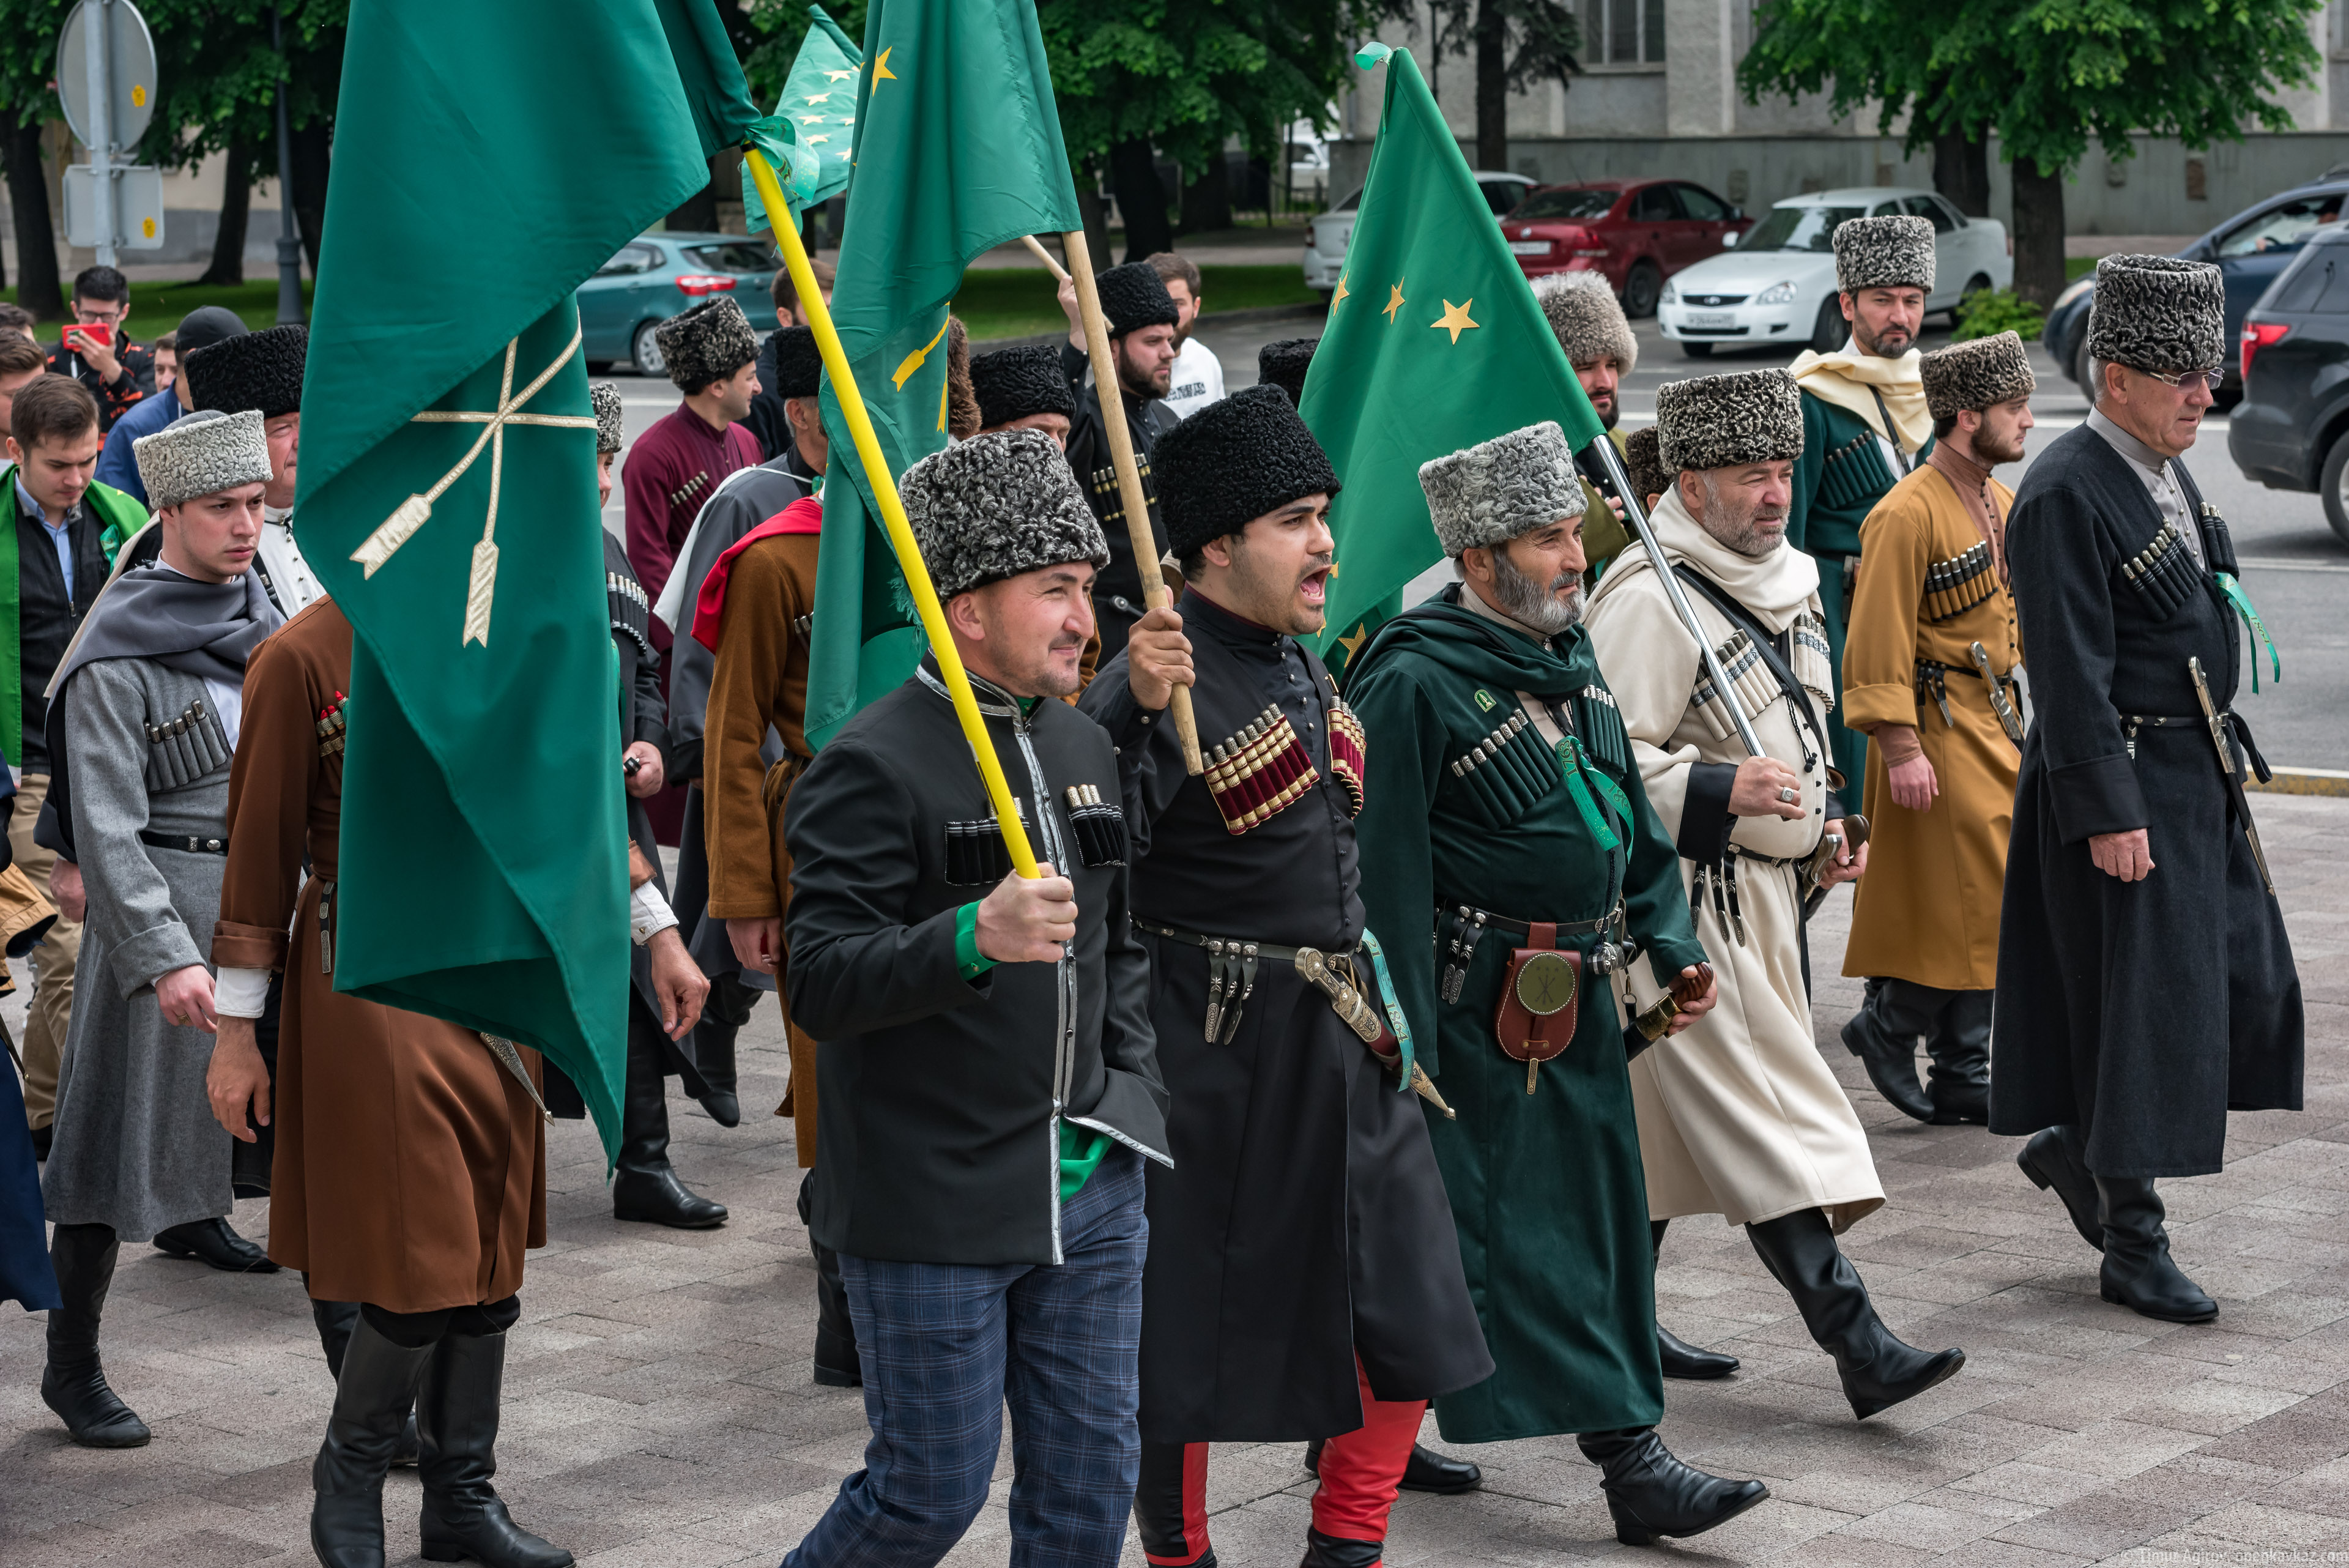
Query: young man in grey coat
[[151, 695]]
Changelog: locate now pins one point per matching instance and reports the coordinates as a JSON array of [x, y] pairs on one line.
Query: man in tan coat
[[1927, 673], [1738, 1115]]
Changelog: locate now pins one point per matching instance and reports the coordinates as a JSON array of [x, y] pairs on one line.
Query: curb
[[1211, 318], [2304, 781]]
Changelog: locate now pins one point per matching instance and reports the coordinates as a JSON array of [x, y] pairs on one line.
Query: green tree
[[1514, 44], [2047, 77]]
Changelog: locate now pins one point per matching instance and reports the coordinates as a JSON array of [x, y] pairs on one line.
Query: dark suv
[[2291, 431]]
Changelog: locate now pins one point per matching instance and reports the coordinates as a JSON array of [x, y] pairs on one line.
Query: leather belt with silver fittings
[[1469, 924], [1231, 977]]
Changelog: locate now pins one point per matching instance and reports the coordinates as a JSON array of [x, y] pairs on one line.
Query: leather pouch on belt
[[1539, 1003]]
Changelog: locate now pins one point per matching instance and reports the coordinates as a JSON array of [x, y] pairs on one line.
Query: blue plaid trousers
[[946, 1346]]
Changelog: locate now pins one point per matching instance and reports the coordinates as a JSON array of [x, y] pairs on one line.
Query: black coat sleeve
[[2063, 558], [651, 706], [856, 963], [1149, 756]]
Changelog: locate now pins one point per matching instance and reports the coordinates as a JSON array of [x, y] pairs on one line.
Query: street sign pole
[[101, 123], [289, 246]]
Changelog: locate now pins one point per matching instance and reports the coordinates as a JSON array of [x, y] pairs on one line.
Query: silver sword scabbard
[[2007, 718], [2227, 765]]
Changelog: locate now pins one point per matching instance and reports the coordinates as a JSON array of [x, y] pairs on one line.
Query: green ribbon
[[1395, 1019], [2258, 629], [1580, 776]]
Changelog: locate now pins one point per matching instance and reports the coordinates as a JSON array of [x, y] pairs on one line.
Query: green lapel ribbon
[[1395, 1019], [2258, 629], [1579, 778]]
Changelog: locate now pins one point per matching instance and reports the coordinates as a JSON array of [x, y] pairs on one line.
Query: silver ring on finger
[[1788, 795]]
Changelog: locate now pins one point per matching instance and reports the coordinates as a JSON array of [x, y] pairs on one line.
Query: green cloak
[[1546, 1188]]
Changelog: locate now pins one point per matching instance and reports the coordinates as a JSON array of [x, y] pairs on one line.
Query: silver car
[[1326, 236]]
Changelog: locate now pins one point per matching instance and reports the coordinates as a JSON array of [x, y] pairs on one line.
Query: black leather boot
[[1883, 1036], [837, 1365], [72, 1384], [1438, 1475], [646, 1186], [2052, 1160], [1878, 1371], [334, 1322], [1650, 1493], [1680, 1358], [1958, 1080], [211, 1241], [457, 1416], [723, 1014], [372, 1397], [2137, 1272], [1333, 1551]]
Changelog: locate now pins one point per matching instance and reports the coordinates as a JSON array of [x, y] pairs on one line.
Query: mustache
[[1317, 564]]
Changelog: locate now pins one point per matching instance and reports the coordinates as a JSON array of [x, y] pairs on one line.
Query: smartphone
[[90, 333]]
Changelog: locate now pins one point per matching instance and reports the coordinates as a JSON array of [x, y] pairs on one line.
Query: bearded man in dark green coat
[[1504, 808]]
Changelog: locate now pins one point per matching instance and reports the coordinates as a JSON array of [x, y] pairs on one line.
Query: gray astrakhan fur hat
[[260, 370], [1284, 362], [1890, 251], [1133, 297], [201, 453], [1489, 494], [1013, 383], [1721, 422], [799, 363], [2157, 313], [1590, 324], [1644, 463], [1975, 374], [1233, 461], [611, 426], [707, 343], [996, 505]]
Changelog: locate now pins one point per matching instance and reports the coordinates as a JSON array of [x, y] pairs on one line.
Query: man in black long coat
[[2145, 983], [1304, 1276], [1141, 318]]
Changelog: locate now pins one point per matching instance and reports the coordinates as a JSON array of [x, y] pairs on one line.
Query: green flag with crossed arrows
[[448, 493], [1435, 343]]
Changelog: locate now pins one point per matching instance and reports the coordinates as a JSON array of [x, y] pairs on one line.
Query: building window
[[1624, 33]]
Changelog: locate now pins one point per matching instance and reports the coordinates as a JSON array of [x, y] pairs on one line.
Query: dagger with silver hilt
[[2007, 718], [2235, 792]]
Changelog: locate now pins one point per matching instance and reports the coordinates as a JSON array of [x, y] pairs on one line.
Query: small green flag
[[819, 102], [1435, 343], [448, 493], [957, 150]]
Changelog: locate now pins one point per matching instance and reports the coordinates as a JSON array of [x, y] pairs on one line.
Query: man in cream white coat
[[1738, 1114]]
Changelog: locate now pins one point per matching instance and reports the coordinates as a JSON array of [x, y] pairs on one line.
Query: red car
[[1637, 233]]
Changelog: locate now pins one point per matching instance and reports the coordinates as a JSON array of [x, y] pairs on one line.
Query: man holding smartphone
[[97, 352]]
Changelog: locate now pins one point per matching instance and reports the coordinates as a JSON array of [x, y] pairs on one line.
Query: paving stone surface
[[659, 1412]]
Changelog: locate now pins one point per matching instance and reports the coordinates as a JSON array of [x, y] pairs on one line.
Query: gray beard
[[1532, 606]]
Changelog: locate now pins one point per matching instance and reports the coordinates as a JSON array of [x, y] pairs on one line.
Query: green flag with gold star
[[1435, 343]]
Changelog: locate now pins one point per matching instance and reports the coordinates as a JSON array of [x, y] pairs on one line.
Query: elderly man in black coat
[[2145, 983]]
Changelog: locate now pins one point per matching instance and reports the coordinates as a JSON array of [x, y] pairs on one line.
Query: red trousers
[[1360, 1472]]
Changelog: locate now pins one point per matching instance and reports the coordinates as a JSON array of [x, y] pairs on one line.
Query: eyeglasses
[[2184, 378]]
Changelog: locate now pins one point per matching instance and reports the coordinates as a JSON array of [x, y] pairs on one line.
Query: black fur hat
[[1895, 251], [611, 426], [707, 343], [799, 364], [1975, 374], [996, 505], [1284, 363], [257, 370], [2157, 313], [1133, 297], [1233, 461], [1723, 421], [1644, 463], [1013, 383]]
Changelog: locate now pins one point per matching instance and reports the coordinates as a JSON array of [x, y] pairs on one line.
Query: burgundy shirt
[[671, 472]]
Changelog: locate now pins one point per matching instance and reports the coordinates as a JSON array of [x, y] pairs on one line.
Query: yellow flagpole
[[892, 514]]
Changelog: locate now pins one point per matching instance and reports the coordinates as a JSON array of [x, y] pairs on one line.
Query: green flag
[[447, 494], [1435, 343], [819, 100], [957, 150]]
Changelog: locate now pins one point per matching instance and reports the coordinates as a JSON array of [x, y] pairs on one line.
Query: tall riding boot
[[646, 1186], [74, 1384], [1170, 1506], [2137, 1272], [723, 1014], [1958, 1080], [457, 1411], [372, 1397], [1650, 1493], [1883, 1036], [2056, 1157], [837, 1365], [1878, 1371], [1680, 1358], [334, 1322]]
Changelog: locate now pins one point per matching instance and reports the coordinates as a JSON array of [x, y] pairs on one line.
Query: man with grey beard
[[1739, 1115]]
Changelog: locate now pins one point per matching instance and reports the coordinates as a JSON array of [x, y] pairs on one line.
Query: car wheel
[[1696, 350], [1640, 289], [2335, 480], [645, 350], [1830, 330]]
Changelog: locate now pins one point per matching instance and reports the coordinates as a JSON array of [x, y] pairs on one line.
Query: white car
[[1778, 287], [1326, 236]]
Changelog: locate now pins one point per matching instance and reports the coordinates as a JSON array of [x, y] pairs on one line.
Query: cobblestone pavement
[[659, 1412]]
